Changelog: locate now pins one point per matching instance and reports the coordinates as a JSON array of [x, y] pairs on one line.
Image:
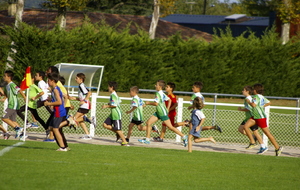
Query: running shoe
[[251, 146], [278, 151], [158, 139], [262, 150], [62, 150], [22, 137], [85, 118], [155, 129], [94, 121], [6, 136], [34, 125], [218, 128], [19, 131], [144, 141], [28, 125], [49, 140], [125, 144], [86, 137], [185, 141], [187, 123]]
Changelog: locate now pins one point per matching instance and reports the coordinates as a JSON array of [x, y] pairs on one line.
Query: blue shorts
[[56, 121]]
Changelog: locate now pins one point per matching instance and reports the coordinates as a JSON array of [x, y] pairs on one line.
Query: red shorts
[[172, 119], [262, 123]]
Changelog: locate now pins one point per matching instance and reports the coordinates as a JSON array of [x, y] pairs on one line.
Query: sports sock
[[262, 145], [147, 139]]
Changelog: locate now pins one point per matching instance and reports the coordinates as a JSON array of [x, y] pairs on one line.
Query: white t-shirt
[[44, 86]]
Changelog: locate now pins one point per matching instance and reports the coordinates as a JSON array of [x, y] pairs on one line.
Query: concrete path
[[219, 147]]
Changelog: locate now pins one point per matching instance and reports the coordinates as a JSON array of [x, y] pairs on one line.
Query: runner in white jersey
[[39, 76]]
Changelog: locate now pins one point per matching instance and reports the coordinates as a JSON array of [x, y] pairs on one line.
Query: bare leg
[[150, 121], [175, 130], [198, 140], [258, 137], [190, 143], [271, 137], [82, 124], [247, 126], [119, 132], [58, 137], [241, 130], [130, 127], [163, 132]]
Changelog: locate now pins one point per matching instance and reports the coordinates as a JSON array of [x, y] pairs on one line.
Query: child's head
[[62, 80], [8, 76], [134, 91], [112, 86], [248, 90], [52, 79], [52, 69], [197, 86], [170, 87], [40, 75], [198, 103], [258, 89], [80, 78], [160, 84]]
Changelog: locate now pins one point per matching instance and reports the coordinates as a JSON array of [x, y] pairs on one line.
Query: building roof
[[46, 19], [214, 19]]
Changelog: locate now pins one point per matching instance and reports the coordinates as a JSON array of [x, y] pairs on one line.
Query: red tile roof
[[46, 19]]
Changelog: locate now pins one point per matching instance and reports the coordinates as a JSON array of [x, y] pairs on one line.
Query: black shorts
[[56, 121], [116, 124], [136, 122], [82, 110], [253, 128]]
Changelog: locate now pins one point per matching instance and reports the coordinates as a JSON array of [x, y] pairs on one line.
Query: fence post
[[4, 108], [93, 113], [297, 117], [265, 138], [215, 110], [179, 116]]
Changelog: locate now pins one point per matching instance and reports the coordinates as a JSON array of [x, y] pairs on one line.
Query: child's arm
[[108, 106], [57, 97], [242, 109], [22, 94], [132, 109], [250, 103], [151, 103], [169, 104], [267, 104], [201, 123], [173, 107], [38, 96]]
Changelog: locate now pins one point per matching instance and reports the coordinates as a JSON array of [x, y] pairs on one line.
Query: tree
[[62, 6], [155, 18], [289, 12]]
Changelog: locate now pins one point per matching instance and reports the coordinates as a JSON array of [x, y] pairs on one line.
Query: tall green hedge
[[224, 65]]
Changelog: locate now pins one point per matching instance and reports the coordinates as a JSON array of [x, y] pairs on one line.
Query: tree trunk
[[285, 32], [61, 18], [154, 21], [19, 13]]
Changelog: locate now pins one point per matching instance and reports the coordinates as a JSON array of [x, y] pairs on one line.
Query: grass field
[[36, 165]]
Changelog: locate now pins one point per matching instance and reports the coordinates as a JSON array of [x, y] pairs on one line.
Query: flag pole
[[26, 112]]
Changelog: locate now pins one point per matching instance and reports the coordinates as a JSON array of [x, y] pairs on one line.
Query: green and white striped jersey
[[115, 101]]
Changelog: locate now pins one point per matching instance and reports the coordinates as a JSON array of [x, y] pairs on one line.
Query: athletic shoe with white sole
[[250, 146], [6, 136], [19, 131], [155, 129], [62, 150], [278, 151], [144, 141]]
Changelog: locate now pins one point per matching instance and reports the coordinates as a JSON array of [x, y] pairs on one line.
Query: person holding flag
[[10, 92]]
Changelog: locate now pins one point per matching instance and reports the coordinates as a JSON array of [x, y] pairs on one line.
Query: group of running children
[[59, 105]]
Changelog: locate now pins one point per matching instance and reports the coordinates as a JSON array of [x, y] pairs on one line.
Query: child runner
[[246, 92], [137, 105], [113, 122], [161, 113], [197, 120], [59, 111], [259, 117], [10, 92]]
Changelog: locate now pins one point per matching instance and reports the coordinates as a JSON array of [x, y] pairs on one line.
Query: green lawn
[[36, 165]]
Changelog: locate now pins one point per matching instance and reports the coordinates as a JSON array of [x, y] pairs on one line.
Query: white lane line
[[7, 149]]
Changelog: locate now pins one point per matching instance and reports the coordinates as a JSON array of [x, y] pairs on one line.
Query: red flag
[[26, 82]]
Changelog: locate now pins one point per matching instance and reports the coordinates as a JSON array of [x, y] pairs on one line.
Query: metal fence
[[284, 126]]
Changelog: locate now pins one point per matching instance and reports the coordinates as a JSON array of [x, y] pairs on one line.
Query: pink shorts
[[262, 123]]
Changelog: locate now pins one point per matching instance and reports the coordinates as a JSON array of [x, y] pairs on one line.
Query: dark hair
[[81, 76], [113, 84], [53, 69], [171, 85], [198, 103], [42, 74], [259, 88], [161, 83], [62, 80], [135, 89], [53, 76], [198, 84], [10, 74], [249, 89]]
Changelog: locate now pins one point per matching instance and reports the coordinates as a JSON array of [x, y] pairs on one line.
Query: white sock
[[262, 145], [147, 139]]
